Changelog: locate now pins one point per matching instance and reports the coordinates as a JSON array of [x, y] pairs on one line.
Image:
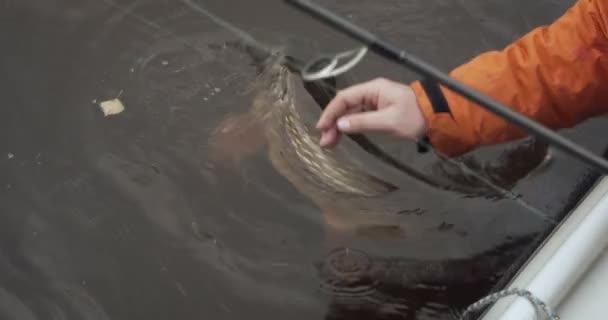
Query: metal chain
[[494, 297]]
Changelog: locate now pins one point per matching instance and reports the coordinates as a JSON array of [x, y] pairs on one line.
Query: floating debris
[[165, 63], [217, 90], [10, 156], [112, 107]]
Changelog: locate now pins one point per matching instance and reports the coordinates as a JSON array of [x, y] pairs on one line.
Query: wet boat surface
[[130, 217]]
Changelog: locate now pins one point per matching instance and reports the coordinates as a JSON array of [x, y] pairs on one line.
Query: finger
[[368, 121], [356, 96], [330, 137]]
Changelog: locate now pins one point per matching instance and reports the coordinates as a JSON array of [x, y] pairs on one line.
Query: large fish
[[353, 191], [284, 113]]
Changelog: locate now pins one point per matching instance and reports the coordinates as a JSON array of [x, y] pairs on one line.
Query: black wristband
[[435, 95], [439, 105]]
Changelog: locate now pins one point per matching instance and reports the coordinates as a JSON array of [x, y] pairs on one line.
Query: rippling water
[[134, 217]]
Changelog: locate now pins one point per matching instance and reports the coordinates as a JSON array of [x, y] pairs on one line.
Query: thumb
[[367, 121]]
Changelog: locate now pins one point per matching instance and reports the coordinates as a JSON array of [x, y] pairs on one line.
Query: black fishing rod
[[406, 59]]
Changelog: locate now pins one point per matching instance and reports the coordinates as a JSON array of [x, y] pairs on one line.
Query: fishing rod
[[386, 50], [321, 89]]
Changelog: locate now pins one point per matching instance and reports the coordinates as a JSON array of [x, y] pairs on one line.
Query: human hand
[[379, 105]]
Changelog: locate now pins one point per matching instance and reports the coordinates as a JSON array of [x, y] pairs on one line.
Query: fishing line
[[246, 37], [250, 40], [127, 11]]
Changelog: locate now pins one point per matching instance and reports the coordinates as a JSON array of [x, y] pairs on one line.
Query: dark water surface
[[130, 217]]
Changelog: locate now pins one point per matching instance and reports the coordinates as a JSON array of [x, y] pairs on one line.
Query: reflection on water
[[181, 207]]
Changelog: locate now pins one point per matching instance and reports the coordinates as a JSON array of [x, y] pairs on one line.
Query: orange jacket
[[556, 74]]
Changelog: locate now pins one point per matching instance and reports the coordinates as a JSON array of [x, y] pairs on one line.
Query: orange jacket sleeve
[[556, 74]]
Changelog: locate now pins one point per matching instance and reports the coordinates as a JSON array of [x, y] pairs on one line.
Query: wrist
[[444, 132], [428, 112]]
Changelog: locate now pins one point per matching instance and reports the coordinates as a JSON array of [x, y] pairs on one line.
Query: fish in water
[[351, 196], [284, 113]]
